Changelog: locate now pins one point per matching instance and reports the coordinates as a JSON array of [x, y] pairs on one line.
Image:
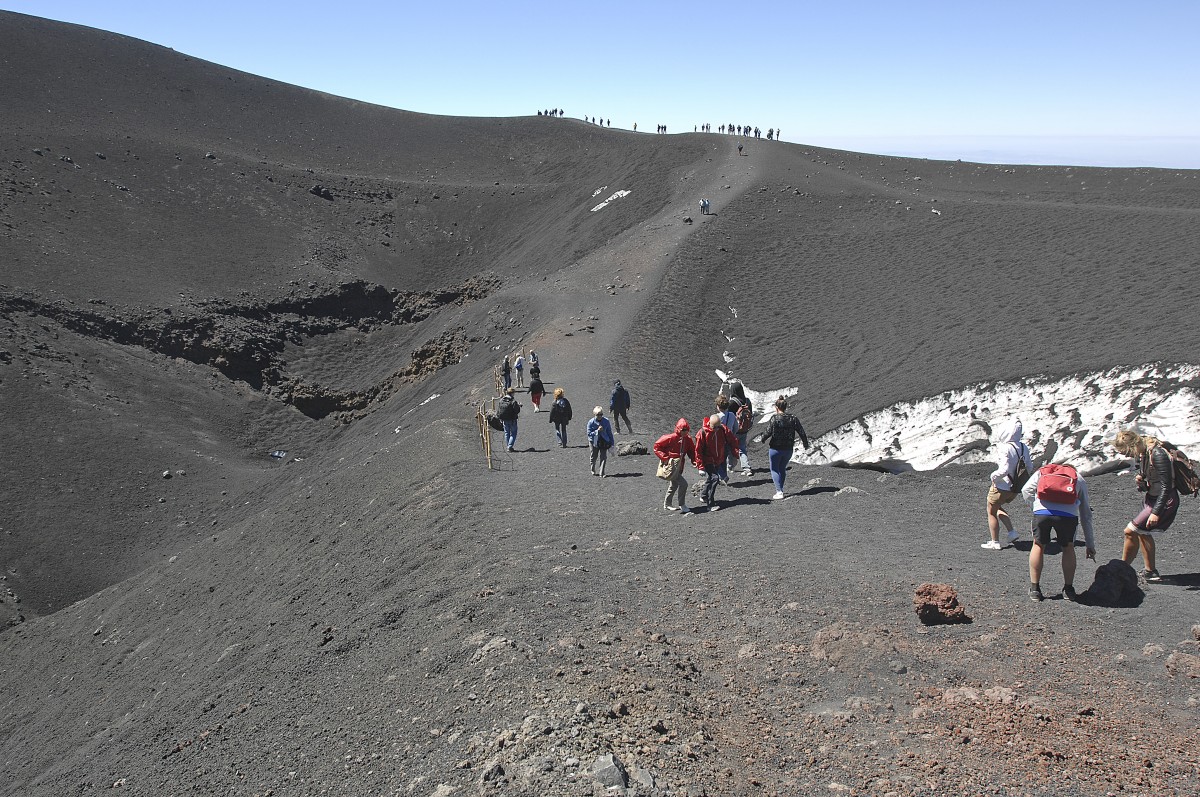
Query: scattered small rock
[[610, 772]]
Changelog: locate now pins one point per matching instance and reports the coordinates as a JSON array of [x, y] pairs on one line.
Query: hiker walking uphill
[[1013, 465], [600, 437], [507, 411], [1060, 505], [780, 436], [1155, 478], [618, 404], [560, 415], [536, 391], [671, 450], [729, 421], [744, 412], [712, 445]]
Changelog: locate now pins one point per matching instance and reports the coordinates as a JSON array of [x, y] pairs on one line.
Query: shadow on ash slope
[[246, 342], [1065, 420]]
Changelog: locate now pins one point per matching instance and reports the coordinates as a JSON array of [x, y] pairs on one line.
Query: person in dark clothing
[[506, 372], [618, 404], [507, 411], [1156, 478], [744, 411], [536, 391], [560, 416], [782, 428]]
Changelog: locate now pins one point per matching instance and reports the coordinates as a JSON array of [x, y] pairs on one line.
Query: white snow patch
[[726, 356], [612, 198], [598, 190], [1065, 420], [431, 398]]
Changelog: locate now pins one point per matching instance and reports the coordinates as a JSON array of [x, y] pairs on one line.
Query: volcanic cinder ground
[[199, 267]]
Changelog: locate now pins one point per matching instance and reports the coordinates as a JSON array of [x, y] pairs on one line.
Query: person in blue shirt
[[600, 436]]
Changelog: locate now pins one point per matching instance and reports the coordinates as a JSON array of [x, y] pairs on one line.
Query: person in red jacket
[[713, 444], [671, 449]]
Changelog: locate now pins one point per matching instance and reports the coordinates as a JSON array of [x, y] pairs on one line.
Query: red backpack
[[1058, 484]]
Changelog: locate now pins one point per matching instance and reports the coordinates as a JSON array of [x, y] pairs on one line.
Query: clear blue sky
[[1053, 81]]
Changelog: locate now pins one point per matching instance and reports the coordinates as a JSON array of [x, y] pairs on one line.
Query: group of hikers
[[1058, 496], [1057, 493], [719, 447], [731, 129]]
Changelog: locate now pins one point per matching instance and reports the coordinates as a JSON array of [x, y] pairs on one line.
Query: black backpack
[[1020, 473], [1186, 480], [508, 409]]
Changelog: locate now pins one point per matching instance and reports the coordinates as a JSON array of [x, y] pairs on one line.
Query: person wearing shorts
[[1156, 478], [1059, 522], [1003, 489]]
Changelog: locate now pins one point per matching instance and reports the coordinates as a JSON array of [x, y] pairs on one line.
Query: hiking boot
[[778, 496], [1151, 575], [714, 507], [990, 545], [1035, 593], [1070, 594]]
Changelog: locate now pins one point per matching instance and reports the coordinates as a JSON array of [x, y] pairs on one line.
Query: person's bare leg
[[1003, 517], [1147, 550], [1035, 563], [1068, 564], [1130, 548], [993, 517]]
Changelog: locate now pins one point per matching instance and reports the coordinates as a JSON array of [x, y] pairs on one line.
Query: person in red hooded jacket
[[671, 449], [713, 444]]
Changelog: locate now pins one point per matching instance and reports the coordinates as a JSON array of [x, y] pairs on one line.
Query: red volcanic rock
[[937, 604]]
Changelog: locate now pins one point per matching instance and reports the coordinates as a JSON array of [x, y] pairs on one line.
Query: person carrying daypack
[[560, 415], [1155, 478], [519, 365], [1013, 465], [507, 411], [744, 413], [780, 436], [1060, 505]]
